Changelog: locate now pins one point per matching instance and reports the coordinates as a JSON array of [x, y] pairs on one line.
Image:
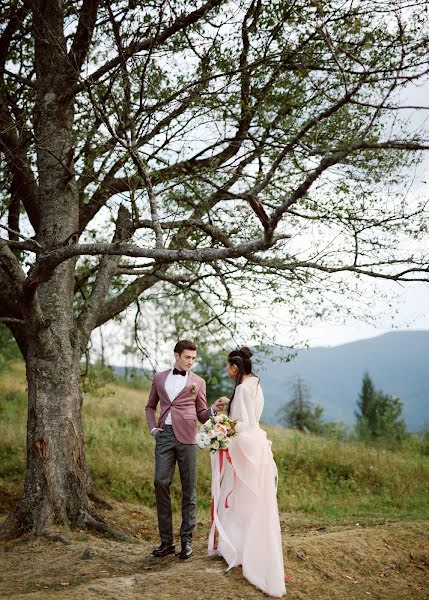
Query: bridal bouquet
[[216, 433]]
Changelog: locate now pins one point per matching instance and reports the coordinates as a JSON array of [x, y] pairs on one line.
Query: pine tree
[[300, 413], [379, 414], [366, 413]]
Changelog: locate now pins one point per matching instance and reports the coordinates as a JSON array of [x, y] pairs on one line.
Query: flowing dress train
[[246, 526]]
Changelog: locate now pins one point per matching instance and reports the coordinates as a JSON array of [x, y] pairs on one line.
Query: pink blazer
[[186, 408]]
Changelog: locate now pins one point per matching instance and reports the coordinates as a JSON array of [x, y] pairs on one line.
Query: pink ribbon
[[227, 455], [228, 458]]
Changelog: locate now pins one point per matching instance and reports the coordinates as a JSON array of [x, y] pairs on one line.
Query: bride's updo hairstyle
[[242, 359]]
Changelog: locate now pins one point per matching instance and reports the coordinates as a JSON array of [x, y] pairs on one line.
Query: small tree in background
[[366, 415], [211, 366], [379, 414], [300, 413]]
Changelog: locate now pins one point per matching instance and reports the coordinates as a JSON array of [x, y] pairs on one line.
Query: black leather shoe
[[186, 551], [164, 549]]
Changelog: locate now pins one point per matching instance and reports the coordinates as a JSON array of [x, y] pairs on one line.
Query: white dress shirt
[[174, 384]]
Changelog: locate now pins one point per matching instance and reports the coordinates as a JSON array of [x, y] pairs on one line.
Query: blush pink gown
[[247, 532]]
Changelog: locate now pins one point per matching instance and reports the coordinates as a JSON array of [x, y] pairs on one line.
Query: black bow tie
[[178, 372]]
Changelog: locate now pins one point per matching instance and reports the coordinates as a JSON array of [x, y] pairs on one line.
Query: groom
[[182, 398]]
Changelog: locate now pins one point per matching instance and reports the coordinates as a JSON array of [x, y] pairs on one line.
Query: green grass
[[327, 477], [13, 410], [318, 477]]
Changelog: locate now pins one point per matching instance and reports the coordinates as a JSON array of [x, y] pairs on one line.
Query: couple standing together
[[246, 526]]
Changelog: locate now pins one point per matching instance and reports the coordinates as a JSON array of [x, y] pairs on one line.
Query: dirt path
[[384, 561]]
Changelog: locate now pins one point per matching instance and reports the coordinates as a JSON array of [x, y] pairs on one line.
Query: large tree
[[170, 143]]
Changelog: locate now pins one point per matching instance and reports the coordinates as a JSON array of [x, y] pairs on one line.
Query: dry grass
[[389, 561], [385, 562]]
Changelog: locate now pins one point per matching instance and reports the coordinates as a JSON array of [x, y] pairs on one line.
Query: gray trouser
[[167, 451]]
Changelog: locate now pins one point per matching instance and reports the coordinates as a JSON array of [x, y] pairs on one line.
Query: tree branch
[[88, 316], [48, 261], [152, 201], [12, 269], [214, 232], [82, 39], [9, 31], [326, 162], [147, 44], [23, 181], [12, 320], [391, 145], [128, 296], [16, 234]]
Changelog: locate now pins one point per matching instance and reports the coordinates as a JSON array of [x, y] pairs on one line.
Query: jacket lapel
[[163, 377]]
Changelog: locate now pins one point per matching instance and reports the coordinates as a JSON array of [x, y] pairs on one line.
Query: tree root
[[57, 537], [14, 525], [100, 502], [21, 521], [90, 523]]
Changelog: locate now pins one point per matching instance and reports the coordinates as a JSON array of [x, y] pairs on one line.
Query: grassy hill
[[317, 476]]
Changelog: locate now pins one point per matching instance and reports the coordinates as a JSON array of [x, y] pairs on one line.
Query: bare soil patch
[[377, 561]]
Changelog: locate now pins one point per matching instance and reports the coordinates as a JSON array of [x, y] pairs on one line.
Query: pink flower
[[220, 427]]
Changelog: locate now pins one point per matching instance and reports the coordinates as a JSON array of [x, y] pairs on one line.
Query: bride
[[246, 527]]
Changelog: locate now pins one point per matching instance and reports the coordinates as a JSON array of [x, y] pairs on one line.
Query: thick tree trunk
[[56, 484]]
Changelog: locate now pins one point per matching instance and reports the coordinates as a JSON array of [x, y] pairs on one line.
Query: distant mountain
[[397, 362]]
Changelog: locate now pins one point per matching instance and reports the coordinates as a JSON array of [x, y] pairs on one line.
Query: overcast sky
[[409, 302], [410, 310]]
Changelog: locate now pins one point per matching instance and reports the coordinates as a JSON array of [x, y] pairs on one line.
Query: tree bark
[[57, 482]]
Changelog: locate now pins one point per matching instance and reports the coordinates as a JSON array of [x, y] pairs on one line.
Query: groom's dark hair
[[184, 345]]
